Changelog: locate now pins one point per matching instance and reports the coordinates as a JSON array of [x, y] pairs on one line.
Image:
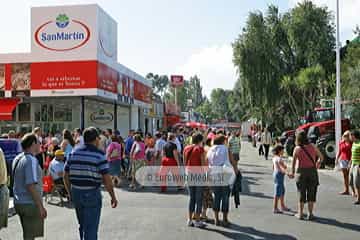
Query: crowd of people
[[82, 161]]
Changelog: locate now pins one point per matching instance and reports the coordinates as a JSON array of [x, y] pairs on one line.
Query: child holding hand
[[279, 167]]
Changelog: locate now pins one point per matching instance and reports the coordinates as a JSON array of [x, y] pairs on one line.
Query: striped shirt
[[355, 153], [85, 166]]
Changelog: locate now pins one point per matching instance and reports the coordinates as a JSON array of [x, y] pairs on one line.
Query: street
[[148, 214]]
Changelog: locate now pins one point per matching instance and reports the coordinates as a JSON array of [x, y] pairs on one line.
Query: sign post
[[338, 86]]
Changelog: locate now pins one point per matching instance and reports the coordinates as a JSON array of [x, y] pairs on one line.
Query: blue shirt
[[27, 172], [128, 144], [86, 165]]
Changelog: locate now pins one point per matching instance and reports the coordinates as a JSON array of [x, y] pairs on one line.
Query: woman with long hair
[[343, 159], [67, 143], [307, 159]]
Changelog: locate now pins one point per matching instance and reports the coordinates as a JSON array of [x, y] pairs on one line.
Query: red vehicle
[[320, 128]]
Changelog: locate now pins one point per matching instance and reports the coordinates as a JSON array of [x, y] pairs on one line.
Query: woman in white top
[[218, 158]]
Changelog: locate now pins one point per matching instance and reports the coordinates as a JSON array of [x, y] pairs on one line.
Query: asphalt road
[[150, 215]]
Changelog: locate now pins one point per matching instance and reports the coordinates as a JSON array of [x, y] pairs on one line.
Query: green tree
[[159, 83]]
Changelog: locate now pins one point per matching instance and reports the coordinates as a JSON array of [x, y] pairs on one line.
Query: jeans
[[88, 209], [222, 197], [196, 198]]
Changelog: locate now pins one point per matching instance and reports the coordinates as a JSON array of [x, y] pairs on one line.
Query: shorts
[[307, 181], [236, 156], [355, 181], [32, 224], [279, 186], [344, 164]]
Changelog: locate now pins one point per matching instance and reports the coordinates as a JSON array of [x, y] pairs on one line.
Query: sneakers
[[190, 223], [298, 216], [277, 211], [199, 224]]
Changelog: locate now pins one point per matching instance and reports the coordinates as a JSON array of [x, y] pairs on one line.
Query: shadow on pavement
[[246, 182], [248, 233], [336, 223]]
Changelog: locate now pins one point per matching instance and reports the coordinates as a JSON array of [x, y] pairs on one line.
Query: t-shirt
[[345, 150], [169, 148], [304, 160], [27, 172], [138, 150], [355, 153], [55, 168], [113, 152], [193, 155], [276, 162], [85, 166]]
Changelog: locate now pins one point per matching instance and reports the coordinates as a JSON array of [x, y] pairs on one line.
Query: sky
[[186, 37]]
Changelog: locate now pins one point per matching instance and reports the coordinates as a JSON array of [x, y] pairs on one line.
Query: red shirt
[[304, 160], [345, 150], [193, 155]]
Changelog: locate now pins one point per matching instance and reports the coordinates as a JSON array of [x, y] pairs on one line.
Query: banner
[[142, 92], [107, 78], [64, 78]]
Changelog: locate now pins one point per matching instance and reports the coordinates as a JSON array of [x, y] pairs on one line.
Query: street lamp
[[338, 86]]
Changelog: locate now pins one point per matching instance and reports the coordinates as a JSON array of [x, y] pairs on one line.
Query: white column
[[338, 86]]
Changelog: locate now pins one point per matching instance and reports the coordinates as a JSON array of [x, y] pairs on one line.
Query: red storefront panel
[[142, 92], [63, 75]]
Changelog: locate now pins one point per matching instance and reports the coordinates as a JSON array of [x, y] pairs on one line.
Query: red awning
[[7, 106]]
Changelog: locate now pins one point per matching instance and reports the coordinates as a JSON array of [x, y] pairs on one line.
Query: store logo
[[62, 21], [101, 117], [62, 34]]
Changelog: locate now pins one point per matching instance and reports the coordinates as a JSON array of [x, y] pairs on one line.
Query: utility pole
[[338, 86]]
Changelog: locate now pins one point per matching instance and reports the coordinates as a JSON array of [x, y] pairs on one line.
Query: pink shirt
[[303, 159], [113, 152]]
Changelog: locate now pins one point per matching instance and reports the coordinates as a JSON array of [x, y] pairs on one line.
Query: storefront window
[[37, 111], [44, 113], [24, 112], [63, 113]]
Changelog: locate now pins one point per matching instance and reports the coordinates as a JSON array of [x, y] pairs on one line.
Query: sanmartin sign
[[62, 34]]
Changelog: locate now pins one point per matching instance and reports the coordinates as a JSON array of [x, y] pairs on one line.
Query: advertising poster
[[142, 92], [63, 78], [107, 78], [2, 80], [20, 80]]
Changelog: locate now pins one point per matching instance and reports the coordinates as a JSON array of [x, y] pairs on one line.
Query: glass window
[[44, 113], [37, 111], [63, 113], [24, 112], [50, 112]]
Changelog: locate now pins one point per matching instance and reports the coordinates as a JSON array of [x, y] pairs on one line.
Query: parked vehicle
[[320, 128]]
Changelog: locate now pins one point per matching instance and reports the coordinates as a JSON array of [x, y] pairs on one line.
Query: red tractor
[[320, 128]]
